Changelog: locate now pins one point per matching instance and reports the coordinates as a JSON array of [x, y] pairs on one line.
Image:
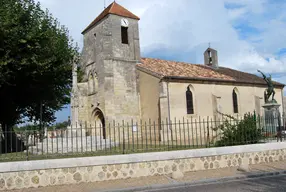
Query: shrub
[[240, 132]]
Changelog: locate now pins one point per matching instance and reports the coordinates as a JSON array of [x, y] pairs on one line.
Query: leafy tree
[[80, 74], [26, 128], [62, 125], [240, 132], [59, 126], [35, 66]]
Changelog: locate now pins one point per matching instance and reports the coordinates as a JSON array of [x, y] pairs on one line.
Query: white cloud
[[237, 13], [190, 25]]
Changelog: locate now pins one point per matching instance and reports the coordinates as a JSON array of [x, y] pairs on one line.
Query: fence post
[[208, 133], [1, 139], [27, 146], [123, 138]]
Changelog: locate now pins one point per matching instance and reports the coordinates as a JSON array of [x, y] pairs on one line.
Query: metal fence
[[144, 136]]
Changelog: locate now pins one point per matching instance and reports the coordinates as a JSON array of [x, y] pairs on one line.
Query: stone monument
[[272, 116], [75, 128]]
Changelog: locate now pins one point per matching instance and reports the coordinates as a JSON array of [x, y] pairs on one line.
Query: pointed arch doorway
[[98, 116]]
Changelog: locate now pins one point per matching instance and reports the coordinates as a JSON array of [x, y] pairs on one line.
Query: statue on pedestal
[[272, 116], [270, 90]]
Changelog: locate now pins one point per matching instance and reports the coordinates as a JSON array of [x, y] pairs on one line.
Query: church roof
[[115, 9], [181, 70]]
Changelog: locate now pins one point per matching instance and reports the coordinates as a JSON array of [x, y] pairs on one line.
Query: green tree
[[35, 66], [239, 131], [80, 74], [59, 126], [62, 125]]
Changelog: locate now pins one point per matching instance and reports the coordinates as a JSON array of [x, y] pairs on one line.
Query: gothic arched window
[[190, 101], [235, 102]]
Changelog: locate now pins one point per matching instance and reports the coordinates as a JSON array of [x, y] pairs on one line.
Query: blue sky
[[248, 34]]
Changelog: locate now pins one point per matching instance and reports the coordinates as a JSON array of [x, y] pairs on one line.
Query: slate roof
[[181, 70], [114, 9]]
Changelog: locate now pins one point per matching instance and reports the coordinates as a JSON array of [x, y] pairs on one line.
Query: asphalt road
[[263, 184]]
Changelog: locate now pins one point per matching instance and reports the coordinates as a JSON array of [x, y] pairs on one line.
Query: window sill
[[191, 115], [236, 114]]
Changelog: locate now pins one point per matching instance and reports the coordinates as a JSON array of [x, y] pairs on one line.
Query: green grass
[[118, 150], [127, 148]]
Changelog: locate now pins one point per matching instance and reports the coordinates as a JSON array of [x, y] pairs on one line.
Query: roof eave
[[90, 26], [217, 80], [196, 79]]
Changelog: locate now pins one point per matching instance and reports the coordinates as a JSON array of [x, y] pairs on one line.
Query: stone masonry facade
[[119, 86], [110, 81], [74, 175]]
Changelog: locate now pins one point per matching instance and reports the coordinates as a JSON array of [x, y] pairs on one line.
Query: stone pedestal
[[76, 145], [272, 119], [73, 140]]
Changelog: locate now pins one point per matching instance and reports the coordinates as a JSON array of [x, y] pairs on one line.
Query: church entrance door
[[99, 122]]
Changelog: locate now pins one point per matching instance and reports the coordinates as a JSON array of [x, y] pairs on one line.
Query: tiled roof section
[[180, 69], [240, 76], [164, 68], [115, 9]]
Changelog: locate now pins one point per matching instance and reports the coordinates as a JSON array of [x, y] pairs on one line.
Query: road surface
[[263, 184]]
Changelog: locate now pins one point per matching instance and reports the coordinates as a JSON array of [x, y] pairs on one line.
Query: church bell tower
[[110, 53], [210, 58]]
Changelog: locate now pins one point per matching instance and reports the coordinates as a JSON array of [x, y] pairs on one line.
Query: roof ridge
[[112, 4]]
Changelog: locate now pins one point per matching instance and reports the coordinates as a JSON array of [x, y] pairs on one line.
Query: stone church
[[119, 85]]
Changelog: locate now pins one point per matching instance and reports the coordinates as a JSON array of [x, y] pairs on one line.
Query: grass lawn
[[122, 148], [118, 150]]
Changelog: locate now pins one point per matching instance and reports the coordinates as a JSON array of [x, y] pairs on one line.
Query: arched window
[[190, 101], [235, 102]]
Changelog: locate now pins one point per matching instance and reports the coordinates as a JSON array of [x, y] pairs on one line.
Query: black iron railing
[[137, 137]]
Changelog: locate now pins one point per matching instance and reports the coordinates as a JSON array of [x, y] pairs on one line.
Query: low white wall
[[41, 173], [136, 158]]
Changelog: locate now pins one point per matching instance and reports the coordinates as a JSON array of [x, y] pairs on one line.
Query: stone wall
[[110, 72], [17, 175], [149, 102], [204, 107]]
